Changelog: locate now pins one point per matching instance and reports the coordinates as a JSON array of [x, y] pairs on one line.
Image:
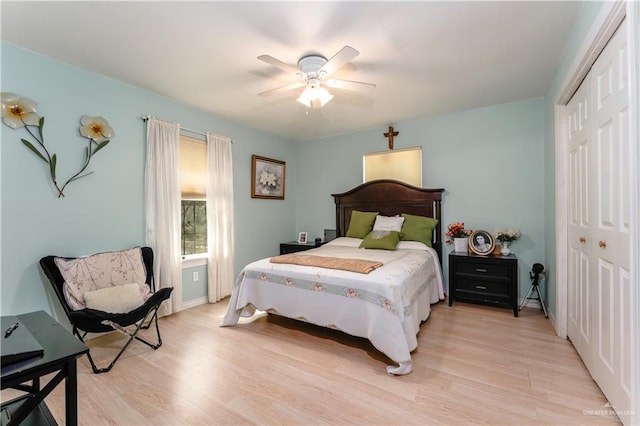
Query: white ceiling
[[426, 57]]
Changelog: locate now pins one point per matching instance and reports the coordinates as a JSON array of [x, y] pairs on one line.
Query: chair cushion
[[102, 270], [118, 299], [90, 320]]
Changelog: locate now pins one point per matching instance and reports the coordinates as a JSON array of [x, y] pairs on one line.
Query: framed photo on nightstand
[[481, 242], [302, 238]]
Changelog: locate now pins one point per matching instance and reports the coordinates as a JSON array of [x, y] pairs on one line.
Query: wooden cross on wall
[[390, 134]]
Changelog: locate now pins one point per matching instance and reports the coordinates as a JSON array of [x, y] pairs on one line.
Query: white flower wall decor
[[19, 112]]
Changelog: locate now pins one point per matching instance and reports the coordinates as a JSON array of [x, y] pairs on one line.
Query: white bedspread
[[385, 306]]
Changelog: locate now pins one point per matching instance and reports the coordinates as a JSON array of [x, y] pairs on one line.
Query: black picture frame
[[481, 242]]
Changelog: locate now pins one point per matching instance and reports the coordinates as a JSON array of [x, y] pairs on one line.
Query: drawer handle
[[481, 287], [481, 270], [602, 244], [582, 240]]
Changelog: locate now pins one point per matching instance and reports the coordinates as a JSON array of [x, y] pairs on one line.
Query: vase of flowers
[[458, 236], [506, 237]]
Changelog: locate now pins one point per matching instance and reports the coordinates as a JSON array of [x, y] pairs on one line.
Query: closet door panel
[[610, 230], [624, 332], [607, 193], [606, 324], [579, 309]]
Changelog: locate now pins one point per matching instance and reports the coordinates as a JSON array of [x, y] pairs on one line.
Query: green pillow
[[383, 240], [417, 228], [361, 223]]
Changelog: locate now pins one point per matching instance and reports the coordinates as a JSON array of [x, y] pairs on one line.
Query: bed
[[385, 305]]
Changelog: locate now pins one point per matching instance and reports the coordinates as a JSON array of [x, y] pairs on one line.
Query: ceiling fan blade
[[345, 55], [279, 64], [354, 86], [283, 88]]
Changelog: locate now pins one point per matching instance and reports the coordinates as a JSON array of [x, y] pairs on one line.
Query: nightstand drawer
[[500, 288], [483, 269]]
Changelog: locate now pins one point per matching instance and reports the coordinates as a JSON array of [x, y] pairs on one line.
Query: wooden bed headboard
[[388, 198]]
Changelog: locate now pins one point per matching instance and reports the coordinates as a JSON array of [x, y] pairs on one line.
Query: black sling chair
[[94, 321]]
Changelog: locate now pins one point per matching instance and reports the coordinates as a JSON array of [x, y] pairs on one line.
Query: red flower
[[456, 230]]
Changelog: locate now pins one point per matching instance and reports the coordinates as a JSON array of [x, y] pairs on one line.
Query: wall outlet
[[196, 276]]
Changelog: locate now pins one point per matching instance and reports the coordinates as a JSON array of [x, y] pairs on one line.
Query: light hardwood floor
[[474, 365]]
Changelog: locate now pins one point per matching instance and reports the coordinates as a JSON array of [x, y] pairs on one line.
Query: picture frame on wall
[[267, 178], [302, 238], [481, 243]]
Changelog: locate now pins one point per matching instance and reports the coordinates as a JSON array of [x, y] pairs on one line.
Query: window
[[194, 227], [193, 172], [401, 164]]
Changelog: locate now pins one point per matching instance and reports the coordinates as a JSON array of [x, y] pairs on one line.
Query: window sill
[[194, 260]]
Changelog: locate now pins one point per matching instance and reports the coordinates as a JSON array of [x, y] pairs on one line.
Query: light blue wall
[[583, 24], [191, 289], [105, 211], [496, 164], [490, 161]]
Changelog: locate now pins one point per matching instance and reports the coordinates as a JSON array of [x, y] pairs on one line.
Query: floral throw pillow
[[100, 271]]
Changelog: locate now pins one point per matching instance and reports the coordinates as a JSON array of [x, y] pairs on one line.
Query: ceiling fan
[[313, 73]]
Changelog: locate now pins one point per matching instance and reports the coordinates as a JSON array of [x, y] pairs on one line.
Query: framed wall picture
[[481, 242], [302, 238], [267, 178]]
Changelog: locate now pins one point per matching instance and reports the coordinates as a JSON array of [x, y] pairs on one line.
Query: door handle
[[582, 240], [602, 244]]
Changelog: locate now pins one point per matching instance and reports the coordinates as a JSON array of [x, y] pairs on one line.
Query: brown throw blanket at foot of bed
[[353, 265]]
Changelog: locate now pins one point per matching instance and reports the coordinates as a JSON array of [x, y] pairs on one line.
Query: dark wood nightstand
[[491, 280], [294, 246]]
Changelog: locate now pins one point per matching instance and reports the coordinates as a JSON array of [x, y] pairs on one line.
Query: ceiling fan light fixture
[[314, 72], [314, 93]]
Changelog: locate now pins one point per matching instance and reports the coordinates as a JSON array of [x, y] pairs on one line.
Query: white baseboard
[[195, 302], [531, 303]]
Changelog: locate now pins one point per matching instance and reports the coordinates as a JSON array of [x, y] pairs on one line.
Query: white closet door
[[610, 235], [579, 309], [599, 316]]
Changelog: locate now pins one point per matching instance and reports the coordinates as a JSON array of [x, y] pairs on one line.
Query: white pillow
[[388, 223], [118, 299], [345, 242], [412, 245]]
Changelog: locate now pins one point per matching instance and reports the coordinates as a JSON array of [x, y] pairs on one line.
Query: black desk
[[61, 350]]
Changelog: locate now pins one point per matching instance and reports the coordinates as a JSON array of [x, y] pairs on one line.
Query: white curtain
[[219, 217], [163, 208]]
